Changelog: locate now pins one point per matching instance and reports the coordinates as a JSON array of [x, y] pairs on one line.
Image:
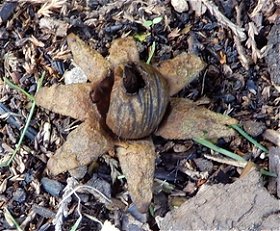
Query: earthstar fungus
[[122, 88]]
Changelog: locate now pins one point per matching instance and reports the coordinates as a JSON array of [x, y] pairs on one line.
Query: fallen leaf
[[123, 50], [180, 71], [89, 60], [70, 100], [83, 145], [187, 120], [137, 160]]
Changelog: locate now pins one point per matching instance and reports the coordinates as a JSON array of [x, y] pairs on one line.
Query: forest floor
[[194, 186]]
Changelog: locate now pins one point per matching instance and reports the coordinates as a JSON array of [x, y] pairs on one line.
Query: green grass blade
[[249, 138], [267, 173], [214, 147], [12, 85], [76, 225], [8, 162], [151, 52], [28, 120]]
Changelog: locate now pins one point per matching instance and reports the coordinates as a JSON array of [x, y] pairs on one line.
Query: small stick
[[227, 161], [238, 31]]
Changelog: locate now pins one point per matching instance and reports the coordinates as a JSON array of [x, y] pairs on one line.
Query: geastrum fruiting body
[[123, 103]]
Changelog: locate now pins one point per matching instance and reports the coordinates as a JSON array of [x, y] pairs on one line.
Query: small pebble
[[101, 185], [19, 195], [142, 217], [29, 176], [83, 197], [180, 5], [53, 187], [75, 75], [253, 128]]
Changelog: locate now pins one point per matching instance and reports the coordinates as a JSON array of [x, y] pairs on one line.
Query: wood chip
[[272, 136]]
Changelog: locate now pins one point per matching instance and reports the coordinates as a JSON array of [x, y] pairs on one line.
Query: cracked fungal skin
[[139, 99]]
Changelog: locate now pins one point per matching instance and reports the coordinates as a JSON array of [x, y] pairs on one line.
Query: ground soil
[[33, 40]]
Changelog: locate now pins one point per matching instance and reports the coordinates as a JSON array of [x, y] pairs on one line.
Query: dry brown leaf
[[83, 145], [137, 160], [123, 50], [70, 100], [89, 60], [180, 71], [187, 120]]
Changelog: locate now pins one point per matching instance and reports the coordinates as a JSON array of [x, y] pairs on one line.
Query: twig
[[258, 8], [10, 219], [238, 31], [30, 216], [227, 161], [244, 60], [63, 205], [240, 49], [69, 190]]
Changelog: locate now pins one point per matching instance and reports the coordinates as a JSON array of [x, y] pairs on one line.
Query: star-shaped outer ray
[[185, 120]]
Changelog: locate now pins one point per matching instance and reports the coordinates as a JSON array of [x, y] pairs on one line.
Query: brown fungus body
[[139, 99]]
